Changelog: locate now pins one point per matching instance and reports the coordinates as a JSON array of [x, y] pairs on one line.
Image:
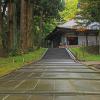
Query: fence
[[91, 47]]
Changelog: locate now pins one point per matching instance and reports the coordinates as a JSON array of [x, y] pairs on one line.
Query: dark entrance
[[56, 40], [72, 40]]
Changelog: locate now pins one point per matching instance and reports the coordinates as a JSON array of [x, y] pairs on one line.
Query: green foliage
[[48, 8], [13, 52], [44, 14], [70, 10], [39, 33], [90, 9], [45, 17], [83, 55], [7, 65], [49, 26]]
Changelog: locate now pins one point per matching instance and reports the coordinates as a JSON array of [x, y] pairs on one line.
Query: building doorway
[[72, 40]]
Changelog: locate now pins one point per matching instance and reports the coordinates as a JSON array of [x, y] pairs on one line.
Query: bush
[[92, 49], [13, 52]]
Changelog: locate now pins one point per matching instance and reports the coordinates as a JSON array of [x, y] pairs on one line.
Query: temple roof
[[76, 24]]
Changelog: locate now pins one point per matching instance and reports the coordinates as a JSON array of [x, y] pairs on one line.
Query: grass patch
[[12, 63], [83, 55]]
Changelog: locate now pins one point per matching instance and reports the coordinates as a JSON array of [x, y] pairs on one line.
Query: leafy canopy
[[70, 9], [90, 9]]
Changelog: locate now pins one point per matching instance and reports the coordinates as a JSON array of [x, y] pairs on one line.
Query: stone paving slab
[[39, 97], [59, 78]]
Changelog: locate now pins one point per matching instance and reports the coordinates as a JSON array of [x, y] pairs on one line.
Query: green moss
[[82, 54], [12, 63]]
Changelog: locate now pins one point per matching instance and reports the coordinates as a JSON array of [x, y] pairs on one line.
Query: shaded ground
[[95, 64], [55, 77]]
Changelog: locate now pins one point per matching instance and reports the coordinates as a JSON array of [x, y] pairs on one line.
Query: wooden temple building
[[71, 33]]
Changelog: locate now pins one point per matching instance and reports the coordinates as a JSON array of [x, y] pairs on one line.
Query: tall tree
[[91, 9], [10, 33], [23, 24], [46, 12], [21, 17], [16, 24], [1, 23], [29, 24], [26, 25], [0, 18], [43, 9]]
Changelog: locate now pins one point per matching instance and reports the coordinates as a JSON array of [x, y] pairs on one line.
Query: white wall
[[81, 39], [91, 39]]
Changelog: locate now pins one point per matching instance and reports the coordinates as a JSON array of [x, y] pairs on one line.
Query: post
[[99, 42], [96, 40], [83, 47], [52, 44], [86, 40]]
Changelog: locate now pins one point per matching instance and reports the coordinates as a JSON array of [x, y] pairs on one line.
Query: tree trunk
[[29, 26], [41, 29], [0, 26], [23, 25], [16, 24], [10, 24], [0, 19]]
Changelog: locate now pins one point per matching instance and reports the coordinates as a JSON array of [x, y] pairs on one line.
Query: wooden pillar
[[99, 41], [67, 41], [52, 44], [10, 24], [96, 39]]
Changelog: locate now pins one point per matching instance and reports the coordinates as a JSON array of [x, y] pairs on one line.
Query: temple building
[[71, 33]]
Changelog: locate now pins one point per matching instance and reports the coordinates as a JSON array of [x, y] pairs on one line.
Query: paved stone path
[[55, 77]]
